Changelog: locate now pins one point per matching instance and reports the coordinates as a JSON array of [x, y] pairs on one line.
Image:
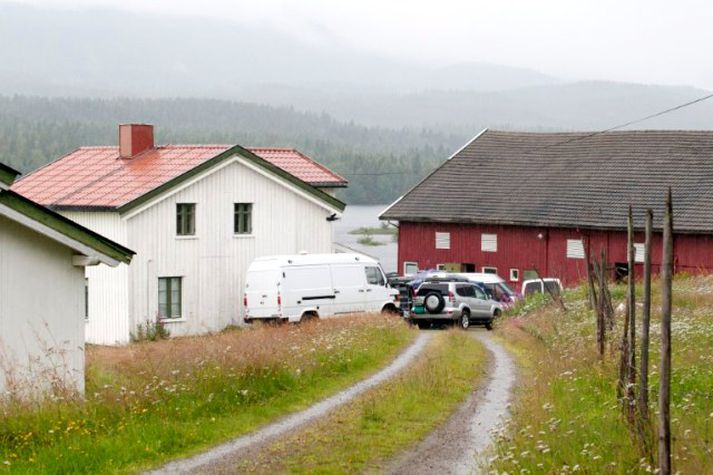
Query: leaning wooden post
[[645, 321], [665, 367], [631, 315]]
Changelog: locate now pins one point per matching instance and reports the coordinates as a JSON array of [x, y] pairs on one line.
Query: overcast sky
[[648, 41]]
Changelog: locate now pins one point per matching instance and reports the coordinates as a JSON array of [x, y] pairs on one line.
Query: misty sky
[[647, 41]]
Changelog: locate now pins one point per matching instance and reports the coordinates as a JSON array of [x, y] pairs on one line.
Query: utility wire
[[574, 139]]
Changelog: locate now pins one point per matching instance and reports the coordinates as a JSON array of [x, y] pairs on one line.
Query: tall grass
[[148, 402], [566, 416]]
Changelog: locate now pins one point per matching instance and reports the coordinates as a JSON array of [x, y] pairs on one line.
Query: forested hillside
[[379, 163]]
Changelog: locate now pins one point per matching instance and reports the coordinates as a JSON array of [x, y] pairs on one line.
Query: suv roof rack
[[446, 279]]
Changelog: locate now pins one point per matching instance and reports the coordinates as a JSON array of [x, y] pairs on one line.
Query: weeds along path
[[256, 439], [456, 447]]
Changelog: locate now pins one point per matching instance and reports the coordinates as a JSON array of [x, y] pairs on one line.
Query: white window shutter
[[575, 249], [443, 240], [639, 252], [489, 242]]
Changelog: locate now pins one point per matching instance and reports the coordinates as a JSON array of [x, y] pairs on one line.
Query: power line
[[574, 139]]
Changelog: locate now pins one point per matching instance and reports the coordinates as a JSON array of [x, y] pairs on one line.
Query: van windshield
[[263, 280]]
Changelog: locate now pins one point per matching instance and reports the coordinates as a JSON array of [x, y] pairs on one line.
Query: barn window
[[514, 275], [490, 270], [639, 252], [170, 297], [185, 219], [243, 218], [443, 240], [575, 249], [489, 242], [410, 268]]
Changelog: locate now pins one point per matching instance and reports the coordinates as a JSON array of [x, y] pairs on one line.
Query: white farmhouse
[[42, 293], [196, 215]]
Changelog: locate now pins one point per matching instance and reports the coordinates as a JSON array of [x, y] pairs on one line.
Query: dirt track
[[456, 447], [222, 456]]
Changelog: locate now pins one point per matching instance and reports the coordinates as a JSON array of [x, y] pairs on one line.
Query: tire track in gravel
[[457, 446], [233, 449]]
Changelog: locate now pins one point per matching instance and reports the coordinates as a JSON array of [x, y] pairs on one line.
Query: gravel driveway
[[224, 456], [456, 447]]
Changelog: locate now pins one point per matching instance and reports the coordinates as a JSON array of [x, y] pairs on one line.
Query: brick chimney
[[134, 139]]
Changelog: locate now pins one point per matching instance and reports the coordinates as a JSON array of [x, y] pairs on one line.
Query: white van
[[316, 285]]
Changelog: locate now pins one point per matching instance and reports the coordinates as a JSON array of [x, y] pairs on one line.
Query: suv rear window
[[426, 288], [532, 287]]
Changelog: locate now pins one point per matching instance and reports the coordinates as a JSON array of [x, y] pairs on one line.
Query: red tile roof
[[96, 177]]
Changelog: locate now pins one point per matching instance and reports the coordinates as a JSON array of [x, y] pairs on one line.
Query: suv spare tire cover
[[434, 302]]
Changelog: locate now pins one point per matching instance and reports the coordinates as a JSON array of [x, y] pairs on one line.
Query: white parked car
[[494, 284], [300, 286], [536, 286]]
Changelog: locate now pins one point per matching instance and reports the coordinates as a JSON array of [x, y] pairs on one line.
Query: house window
[[443, 240], [489, 242], [490, 270], [169, 297], [243, 218], [575, 249], [514, 275], [410, 268], [185, 219], [86, 298]]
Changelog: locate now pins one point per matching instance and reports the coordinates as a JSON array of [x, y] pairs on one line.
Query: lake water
[[366, 216]]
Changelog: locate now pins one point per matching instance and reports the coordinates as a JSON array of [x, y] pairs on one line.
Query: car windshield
[[506, 289]]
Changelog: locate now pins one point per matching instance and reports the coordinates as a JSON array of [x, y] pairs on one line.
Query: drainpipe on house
[[148, 290]]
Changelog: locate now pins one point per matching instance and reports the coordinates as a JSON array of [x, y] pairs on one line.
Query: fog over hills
[[204, 80]]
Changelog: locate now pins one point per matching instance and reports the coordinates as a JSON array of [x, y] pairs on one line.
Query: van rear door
[[261, 290]]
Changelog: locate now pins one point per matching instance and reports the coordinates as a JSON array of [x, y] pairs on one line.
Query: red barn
[[515, 202]]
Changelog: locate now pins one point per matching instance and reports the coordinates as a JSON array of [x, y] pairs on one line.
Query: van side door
[[349, 287]]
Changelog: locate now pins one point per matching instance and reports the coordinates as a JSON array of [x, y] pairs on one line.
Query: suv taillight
[[279, 299], [451, 297]]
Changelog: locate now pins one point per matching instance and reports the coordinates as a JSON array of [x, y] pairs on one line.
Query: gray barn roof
[[573, 180]]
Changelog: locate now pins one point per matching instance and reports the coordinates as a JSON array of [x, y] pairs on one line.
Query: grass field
[[566, 415], [361, 436], [150, 402]]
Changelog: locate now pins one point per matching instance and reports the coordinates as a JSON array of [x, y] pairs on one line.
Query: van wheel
[[390, 310], [464, 321], [309, 317]]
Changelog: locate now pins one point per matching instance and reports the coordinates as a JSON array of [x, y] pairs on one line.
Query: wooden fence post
[[631, 315], [645, 321], [665, 367]]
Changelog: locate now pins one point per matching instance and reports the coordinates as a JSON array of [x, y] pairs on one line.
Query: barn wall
[[108, 318], [544, 249], [41, 312], [213, 263]]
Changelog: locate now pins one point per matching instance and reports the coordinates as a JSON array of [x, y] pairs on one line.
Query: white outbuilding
[[196, 215], [43, 256]]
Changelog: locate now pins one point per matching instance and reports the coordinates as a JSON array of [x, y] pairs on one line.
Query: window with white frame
[[489, 242], [443, 240], [169, 297], [490, 270], [410, 268], [185, 219], [440, 267], [639, 252], [575, 249], [514, 275]]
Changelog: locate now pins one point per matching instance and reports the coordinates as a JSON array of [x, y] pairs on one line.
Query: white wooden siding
[[41, 309], [213, 262], [575, 249], [443, 240], [108, 321], [489, 242]]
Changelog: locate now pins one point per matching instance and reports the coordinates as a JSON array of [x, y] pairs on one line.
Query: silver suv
[[454, 302]]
